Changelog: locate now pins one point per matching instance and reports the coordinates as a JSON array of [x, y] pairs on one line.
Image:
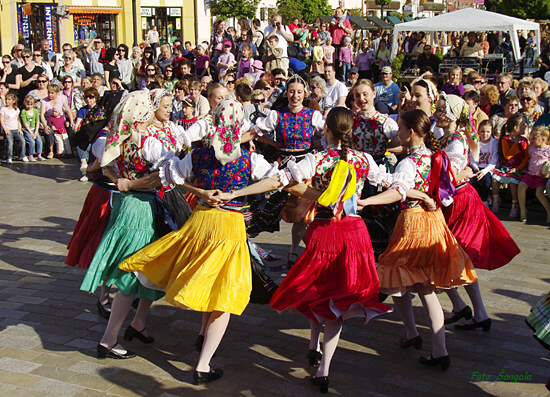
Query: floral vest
[[211, 174], [458, 135], [423, 163], [326, 162], [295, 130], [368, 135], [131, 163]]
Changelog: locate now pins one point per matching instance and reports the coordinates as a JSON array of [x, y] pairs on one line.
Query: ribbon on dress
[[442, 180]]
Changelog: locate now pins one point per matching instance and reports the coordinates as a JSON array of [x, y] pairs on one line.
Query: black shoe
[[485, 325], [102, 312], [322, 382], [200, 378], [444, 362], [314, 357], [104, 352], [132, 333], [416, 342], [464, 313]]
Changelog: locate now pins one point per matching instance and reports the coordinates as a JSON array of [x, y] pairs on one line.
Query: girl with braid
[[335, 278], [423, 255]]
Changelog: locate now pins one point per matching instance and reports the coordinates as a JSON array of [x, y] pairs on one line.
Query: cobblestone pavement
[[49, 328]]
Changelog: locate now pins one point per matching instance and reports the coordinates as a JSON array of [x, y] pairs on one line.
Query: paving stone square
[[49, 328]]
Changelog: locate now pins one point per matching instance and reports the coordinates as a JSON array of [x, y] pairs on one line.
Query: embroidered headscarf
[[432, 91], [134, 108], [156, 95], [228, 120], [457, 109]]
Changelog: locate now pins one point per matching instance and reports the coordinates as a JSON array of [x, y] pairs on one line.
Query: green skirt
[[539, 321], [131, 227]]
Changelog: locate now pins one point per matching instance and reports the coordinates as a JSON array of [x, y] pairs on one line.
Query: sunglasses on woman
[[526, 98], [256, 101], [68, 81]]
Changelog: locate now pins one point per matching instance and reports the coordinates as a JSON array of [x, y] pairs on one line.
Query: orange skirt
[[423, 250]]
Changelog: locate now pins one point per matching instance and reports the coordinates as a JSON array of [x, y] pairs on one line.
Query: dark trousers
[[483, 186]]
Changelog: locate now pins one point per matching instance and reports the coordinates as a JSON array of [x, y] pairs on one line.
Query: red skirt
[[478, 231], [336, 273], [89, 229]]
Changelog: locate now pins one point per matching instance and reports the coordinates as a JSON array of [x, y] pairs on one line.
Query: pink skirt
[[89, 229], [478, 231], [335, 274], [534, 181]]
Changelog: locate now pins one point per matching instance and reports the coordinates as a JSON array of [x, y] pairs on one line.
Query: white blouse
[[405, 174], [270, 122], [200, 129]]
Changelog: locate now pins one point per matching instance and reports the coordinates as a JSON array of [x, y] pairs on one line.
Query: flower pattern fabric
[[368, 135], [423, 163], [295, 130]]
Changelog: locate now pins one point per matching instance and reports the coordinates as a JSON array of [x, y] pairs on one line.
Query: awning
[[362, 23], [94, 10], [394, 20], [324, 18], [408, 19], [379, 22]]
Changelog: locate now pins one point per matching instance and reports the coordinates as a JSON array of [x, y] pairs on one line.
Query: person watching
[[428, 59], [283, 33], [387, 91]]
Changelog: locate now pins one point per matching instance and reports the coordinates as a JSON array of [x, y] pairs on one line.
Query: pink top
[[48, 105], [537, 157], [10, 118], [201, 60], [58, 123], [346, 54], [227, 59]]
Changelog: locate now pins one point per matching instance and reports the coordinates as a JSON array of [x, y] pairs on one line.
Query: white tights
[[299, 231], [474, 293], [213, 334], [333, 328], [119, 310]]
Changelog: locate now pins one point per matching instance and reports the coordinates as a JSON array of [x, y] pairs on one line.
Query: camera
[[278, 24]]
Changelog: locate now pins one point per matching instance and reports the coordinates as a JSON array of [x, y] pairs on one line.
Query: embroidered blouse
[[203, 130], [413, 173], [457, 148], [372, 134]]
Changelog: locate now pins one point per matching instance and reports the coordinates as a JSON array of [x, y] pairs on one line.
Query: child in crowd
[[345, 13], [9, 121], [329, 51], [318, 56], [30, 120], [488, 161], [187, 108], [513, 154], [243, 93], [274, 54], [202, 65], [245, 64], [539, 153], [57, 123], [226, 60], [345, 57], [454, 84]]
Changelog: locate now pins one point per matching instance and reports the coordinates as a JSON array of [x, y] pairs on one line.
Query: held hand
[[211, 197], [430, 204], [226, 196], [469, 173], [123, 184], [72, 124], [479, 175], [252, 146], [362, 203]]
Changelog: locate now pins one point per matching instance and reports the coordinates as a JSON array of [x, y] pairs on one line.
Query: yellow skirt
[[423, 250], [204, 266]]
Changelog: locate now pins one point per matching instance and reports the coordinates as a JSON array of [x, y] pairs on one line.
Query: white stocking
[[456, 300], [138, 323], [474, 293], [315, 331], [403, 305], [298, 232], [119, 310], [214, 333], [104, 296], [437, 321], [330, 343]]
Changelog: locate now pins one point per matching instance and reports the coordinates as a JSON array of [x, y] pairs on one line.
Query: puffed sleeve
[[455, 151], [98, 147], [403, 177], [196, 132], [267, 124], [390, 128], [183, 139], [175, 171], [305, 169], [378, 175], [261, 169], [153, 151], [318, 120]]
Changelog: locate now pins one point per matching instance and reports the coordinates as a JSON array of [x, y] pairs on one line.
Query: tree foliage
[[525, 9], [355, 12], [308, 9], [235, 8]]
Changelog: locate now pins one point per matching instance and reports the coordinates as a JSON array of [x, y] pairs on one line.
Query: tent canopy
[[394, 20], [471, 19], [379, 22], [362, 23]]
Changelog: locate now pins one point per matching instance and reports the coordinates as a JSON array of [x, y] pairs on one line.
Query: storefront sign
[[146, 12], [83, 19], [23, 24], [174, 12], [51, 26]]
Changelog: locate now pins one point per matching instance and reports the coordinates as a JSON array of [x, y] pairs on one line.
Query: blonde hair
[[542, 82], [453, 69], [29, 100], [540, 131], [491, 92]]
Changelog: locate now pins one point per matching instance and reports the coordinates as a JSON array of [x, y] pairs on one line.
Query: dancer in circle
[[423, 255], [478, 231], [205, 266], [335, 278], [293, 128]]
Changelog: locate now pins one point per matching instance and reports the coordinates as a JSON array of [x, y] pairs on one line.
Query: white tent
[[470, 19]]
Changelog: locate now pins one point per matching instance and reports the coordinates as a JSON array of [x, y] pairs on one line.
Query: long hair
[[339, 122], [418, 121]]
